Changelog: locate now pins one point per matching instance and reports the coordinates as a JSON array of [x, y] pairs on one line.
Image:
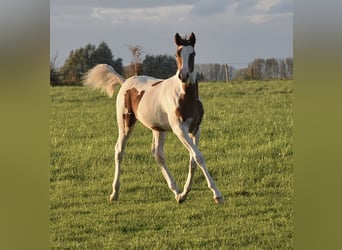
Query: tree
[[84, 58], [265, 69], [272, 68], [289, 65], [160, 66], [137, 52], [213, 72], [70, 68], [54, 74], [282, 68], [242, 75], [258, 68], [103, 54]]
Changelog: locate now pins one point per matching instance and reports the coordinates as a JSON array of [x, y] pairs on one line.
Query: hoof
[[180, 199], [219, 200], [113, 197]]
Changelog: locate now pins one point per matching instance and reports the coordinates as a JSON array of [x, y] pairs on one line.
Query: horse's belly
[[153, 119], [151, 113]]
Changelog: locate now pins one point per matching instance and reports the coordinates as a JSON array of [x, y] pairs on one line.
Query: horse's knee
[[159, 156], [199, 159], [118, 154], [153, 150], [160, 159], [193, 164]]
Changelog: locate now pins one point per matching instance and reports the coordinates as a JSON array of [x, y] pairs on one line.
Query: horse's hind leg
[[158, 153], [125, 130]]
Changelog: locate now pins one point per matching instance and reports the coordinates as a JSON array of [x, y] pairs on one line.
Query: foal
[[160, 105]]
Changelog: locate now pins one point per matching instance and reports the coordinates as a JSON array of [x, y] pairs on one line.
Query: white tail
[[103, 77]]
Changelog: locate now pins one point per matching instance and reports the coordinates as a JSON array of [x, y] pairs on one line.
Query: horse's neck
[[191, 90], [185, 91]]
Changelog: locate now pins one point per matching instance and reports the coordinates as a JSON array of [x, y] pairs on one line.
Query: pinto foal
[[160, 105]]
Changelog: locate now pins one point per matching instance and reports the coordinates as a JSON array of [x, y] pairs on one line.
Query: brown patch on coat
[[189, 106], [129, 119], [191, 61], [132, 99], [157, 128], [179, 59], [156, 83]]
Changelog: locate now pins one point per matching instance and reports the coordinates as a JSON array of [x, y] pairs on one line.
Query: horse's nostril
[[183, 77]]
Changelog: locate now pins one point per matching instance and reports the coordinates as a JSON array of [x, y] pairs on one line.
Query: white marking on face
[[185, 54]]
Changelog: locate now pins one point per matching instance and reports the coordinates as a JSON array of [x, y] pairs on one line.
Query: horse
[[171, 104]]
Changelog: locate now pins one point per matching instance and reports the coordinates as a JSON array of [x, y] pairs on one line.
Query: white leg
[[192, 169], [124, 133], [158, 152], [119, 152], [184, 137]]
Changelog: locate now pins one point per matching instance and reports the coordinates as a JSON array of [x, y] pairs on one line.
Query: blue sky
[[227, 31]]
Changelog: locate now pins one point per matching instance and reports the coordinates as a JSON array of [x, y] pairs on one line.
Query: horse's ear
[[178, 40], [192, 39]]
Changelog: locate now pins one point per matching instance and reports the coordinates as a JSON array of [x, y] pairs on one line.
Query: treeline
[[214, 72], [259, 69], [267, 69], [162, 66], [80, 61]]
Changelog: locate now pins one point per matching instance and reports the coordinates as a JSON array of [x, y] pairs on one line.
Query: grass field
[[246, 139]]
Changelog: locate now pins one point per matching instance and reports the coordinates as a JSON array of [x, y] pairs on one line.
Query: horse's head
[[185, 57]]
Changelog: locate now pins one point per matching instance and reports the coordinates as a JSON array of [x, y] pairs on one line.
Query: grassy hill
[[246, 139]]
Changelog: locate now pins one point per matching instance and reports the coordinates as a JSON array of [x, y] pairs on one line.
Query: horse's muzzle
[[183, 76]]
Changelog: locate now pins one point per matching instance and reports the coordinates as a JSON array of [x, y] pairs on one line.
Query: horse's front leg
[[181, 132], [192, 170], [158, 153]]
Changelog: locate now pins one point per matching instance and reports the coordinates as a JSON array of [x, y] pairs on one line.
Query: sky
[[227, 31]]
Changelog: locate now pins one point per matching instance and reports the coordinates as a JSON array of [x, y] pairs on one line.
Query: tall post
[[227, 75]]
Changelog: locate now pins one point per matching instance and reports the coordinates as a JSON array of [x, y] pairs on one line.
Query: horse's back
[[140, 83], [134, 88]]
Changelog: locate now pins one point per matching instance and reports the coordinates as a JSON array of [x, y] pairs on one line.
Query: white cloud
[[242, 11], [266, 5], [264, 18], [210, 7], [151, 14], [264, 11], [223, 27]]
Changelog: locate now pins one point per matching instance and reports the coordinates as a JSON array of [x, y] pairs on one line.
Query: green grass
[[246, 139]]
